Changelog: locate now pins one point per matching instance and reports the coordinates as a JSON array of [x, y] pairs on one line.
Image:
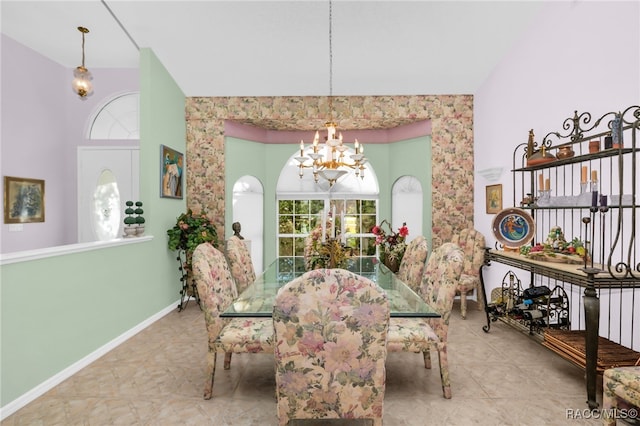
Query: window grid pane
[[296, 219]]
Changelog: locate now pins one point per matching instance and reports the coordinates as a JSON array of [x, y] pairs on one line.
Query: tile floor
[[156, 378]]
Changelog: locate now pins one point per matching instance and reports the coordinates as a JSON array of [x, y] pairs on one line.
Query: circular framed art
[[513, 227]]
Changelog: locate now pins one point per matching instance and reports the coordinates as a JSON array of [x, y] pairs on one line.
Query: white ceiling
[[280, 48]]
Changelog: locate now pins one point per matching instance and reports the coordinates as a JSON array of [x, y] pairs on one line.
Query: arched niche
[[407, 202], [248, 209]]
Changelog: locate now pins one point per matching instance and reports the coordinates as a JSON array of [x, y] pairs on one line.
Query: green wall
[[58, 310], [265, 161]]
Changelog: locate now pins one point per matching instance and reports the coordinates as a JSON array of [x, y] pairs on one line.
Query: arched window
[[119, 118]]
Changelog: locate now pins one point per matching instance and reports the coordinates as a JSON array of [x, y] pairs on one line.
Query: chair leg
[[444, 370], [480, 298], [609, 402], [463, 304], [227, 360], [427, 359], [211, 371]]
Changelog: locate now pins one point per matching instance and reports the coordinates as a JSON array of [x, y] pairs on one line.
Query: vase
[[565, 152], [129, 232], [139, 230], [392, 263]]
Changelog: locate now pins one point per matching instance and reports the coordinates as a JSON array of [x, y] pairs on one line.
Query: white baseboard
[[50, 383]]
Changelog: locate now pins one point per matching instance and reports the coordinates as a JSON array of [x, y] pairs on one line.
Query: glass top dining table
[[257, 300]]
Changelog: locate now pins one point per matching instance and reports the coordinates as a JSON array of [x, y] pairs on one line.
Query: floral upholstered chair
[[413, 262], [472, 244], [330, 329], [619, 383], [438, 289], [240, 263], [217, 290]]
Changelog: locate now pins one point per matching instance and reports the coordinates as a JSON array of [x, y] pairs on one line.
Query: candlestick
[[343, 229], [586, 220], [594, 198], [603, 200], [547, 184], [540, 181], [333, 223], [594, 175], [584, 174], [324, 225]]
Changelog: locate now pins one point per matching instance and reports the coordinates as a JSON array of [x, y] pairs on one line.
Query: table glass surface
[[257, 300]]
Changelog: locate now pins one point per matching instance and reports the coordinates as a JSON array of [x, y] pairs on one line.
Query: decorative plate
[[513, 227]]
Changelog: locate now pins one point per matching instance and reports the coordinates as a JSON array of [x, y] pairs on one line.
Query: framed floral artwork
[[171, 173], [494, 199], [23, 200]]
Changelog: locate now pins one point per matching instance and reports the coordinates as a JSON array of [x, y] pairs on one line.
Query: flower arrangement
[[392, 245], [324, 252]]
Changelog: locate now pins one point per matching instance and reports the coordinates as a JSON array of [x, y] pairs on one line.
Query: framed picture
[[171, 173], [494, 199], [23, 200]]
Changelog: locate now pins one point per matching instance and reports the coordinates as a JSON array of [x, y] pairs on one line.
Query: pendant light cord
[[82, 48]]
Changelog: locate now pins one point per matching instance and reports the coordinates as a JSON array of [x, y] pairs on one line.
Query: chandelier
[[329, 160], [82, 77]]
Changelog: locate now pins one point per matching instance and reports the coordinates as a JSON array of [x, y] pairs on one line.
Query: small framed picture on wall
[[494, 199], [171, 173], [23, 200]]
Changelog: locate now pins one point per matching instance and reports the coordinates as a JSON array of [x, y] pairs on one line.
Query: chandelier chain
[[330, 60], [330, 161]]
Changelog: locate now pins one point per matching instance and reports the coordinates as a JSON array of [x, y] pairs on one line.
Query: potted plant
[[129, 220], [189, 231], [139, 219]]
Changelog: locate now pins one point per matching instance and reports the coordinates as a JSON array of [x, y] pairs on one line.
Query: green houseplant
[[129, 220], [189, 231], [139, 219]]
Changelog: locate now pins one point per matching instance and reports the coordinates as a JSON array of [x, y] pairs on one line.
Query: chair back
[[215, 286], [440, 282], [472, 243], [240, 263], [330, 330], [413, 262]]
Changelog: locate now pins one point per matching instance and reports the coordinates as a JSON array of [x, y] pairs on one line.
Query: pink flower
[[403, 231]]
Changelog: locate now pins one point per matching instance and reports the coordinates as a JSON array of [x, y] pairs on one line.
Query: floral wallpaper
[[452, 138]]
